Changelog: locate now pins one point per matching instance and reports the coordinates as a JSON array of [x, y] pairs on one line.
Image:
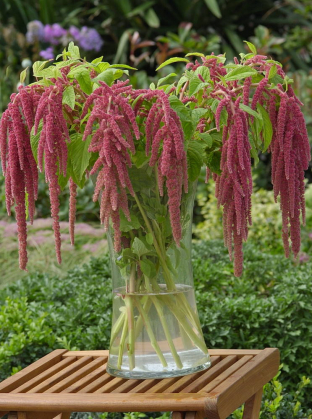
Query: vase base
[[170, 371]]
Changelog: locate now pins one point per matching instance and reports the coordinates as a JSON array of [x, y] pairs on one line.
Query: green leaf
[[250, 111], [254, 152], [122, 66], [251, 46], [196, 54], [126, 225], [213, 161], [267, 130], [182, 80], [149, 238], [107, 76], [148, 268], [139, 248], [207, 138], [194, 83], [151, 18], [194, 159], [204, 72], [277, 79], [183, 112], [102, 67], [23, 75], [171, 61], [213, 7], [34, 141], [240, 72], [97, 60], [37, 66], [273, 71], [79, 154], [197, 113], [166, 78], [84, 80], [69, 96], [74, 50], [140, 159]]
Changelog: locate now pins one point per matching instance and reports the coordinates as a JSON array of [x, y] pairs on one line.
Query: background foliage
[[271, 304]]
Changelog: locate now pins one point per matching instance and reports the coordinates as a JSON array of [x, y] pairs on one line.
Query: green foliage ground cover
[[270, 305]]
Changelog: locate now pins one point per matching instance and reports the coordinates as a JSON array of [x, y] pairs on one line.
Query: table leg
[[252, 406]]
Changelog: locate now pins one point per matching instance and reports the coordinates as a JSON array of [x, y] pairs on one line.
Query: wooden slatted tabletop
[[77, 381]]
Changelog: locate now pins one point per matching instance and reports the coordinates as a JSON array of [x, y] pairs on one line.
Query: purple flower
[[303, 257], [53, 33], [47, 54], [74, 32], [35, 31], [89, 39]]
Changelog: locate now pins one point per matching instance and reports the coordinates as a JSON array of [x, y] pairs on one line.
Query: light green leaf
[[69, 96], [240, 72], [163, 80], [273, 71], [34, 141], [107, 76], [97, 60], [74, 50], [251, 46], [151, 18], [23, 75], [197, 113], [194, 83], [171, 61], [183, 112], [250, 111], [267, 130], [122, 66], [139, 248], [214, 7], [37, 66], [196, 54], [204, 72], [84, 81], [79, 154]]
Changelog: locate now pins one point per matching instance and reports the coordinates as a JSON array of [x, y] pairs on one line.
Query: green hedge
[[271, 305]]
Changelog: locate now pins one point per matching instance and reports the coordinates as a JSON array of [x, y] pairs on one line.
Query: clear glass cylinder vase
[[156, 331]]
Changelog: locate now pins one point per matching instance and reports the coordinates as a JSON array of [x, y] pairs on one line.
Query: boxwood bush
[[270, 305]]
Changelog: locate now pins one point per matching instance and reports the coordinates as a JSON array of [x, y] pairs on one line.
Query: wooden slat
[[87, 353], [252, 406], [238, 352], [144, 386], [227, 373], [51, 381], [177, 415], [211, 374], [175, 382], [127, 386], [90, 388], [31, 371], [111, 385], [44, 375], [84, 381], [51, 402], [182, 382], [77, 375], [239, 387]]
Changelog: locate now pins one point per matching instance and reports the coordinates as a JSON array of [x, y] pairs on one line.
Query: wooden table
[[75, 381]]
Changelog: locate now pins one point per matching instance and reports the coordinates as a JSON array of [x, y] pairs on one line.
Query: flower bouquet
[[144, 149]]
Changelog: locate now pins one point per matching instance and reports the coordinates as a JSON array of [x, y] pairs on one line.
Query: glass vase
[[156, 331]]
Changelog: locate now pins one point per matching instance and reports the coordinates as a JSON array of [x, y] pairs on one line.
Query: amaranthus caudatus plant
[[79, 120]]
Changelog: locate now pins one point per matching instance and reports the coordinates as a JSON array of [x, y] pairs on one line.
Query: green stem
[[139, 323], [179, 315], [132, 278], [122, 344], [159, 308], [151, 335], [169, 281], [131, 334], [117, 326]]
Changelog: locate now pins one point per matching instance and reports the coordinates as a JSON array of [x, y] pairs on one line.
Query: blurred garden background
[[68, 306]]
